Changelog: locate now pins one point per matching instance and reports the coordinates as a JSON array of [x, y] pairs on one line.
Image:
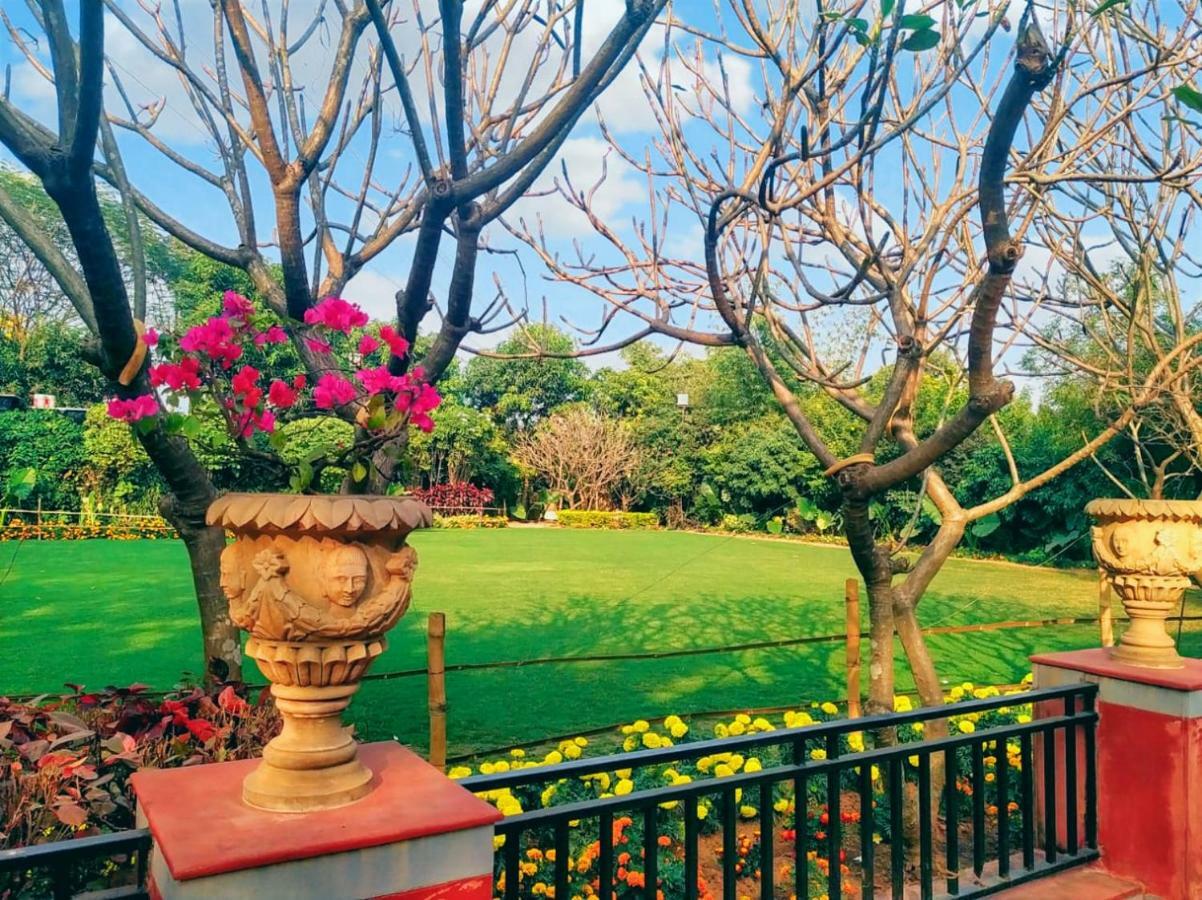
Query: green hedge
[[470, 521], [594, 518]]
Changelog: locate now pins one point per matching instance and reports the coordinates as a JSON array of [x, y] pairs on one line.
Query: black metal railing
[[816, 815], [106, 866]]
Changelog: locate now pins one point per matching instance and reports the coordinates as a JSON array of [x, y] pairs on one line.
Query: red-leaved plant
[[455, 496], [65, 761]]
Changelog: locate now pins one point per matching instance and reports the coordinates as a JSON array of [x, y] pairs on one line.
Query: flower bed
[[470, 521], [594, 518], [133, 529], [537, 867]]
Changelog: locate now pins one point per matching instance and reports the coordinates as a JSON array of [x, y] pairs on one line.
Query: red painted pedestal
[[1149, 758], [416, 836]]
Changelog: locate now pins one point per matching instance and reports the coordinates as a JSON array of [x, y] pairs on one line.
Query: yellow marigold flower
[[817, 753], [703, 764], [753, 765], [603, 780], [553, 758], [722, 770], [736, 728], [498, 841], [855, 741], [957, 693], [539, 889], [500, 765], [641, 725], [913, 760], [762, 724], [517, 753], [902, 704], [650, 740], [623, 787], [748, 812], [571, 751], [665, 742], [920, 727], [580, 741], [627, 729], [829, 708], [550, 855], [703, 810], [547, 795], [623, 773], [876, 774], [630, 743], [679, 729], [669, 804], [781, 805], [670, 774], [487, 768], [1023, 720], [967, 727], [743, 719], [459, 772], [671, 720], [989, 776], [1028, 678], [735, 761], [720, 730], [528, 868], [682, 779]]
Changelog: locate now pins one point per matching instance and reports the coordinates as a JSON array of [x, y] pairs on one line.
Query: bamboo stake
[[852, 595], [1105, 610], [436, 661]]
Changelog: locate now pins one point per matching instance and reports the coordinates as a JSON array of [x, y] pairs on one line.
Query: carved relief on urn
[[316, 581], [1150, 549]]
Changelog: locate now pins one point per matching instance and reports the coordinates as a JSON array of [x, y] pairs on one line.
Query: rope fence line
[[1017, 624]]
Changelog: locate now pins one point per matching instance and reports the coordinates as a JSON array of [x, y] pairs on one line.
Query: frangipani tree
[[869, 212]]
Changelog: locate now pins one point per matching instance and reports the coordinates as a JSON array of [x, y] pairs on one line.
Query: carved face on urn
[[232, 583], [344, 575]]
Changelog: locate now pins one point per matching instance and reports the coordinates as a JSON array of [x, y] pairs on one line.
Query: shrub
[[462, 495], [595, 518], [740, 524], [470, 521]]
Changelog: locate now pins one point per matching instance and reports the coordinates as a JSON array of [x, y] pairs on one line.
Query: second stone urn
[[316, 581], [1150, 549]]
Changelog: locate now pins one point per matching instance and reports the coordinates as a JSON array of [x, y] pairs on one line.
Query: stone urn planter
[[1150, 549], [316, 581]]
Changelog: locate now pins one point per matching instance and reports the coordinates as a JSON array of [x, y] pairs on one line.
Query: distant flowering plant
[[209, 368]]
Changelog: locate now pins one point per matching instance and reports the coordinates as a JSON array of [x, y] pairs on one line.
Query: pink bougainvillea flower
[[337, 314], [215, 339], [273, 335], [235, 306], [150, 337], [281, 395], [418, 400], [181, 376], [378, 380], [396, 343], [333, 390], [368, 344], [318, 345], [135, 409], [246, 386], [299, 382]]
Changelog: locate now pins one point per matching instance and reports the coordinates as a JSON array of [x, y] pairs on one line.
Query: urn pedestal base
[[417, 836], [1148, 601]]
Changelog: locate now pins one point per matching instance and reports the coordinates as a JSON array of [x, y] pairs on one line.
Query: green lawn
[[118, 612]]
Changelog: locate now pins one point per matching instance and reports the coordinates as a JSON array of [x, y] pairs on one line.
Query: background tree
[[526, 377], [583, 457]]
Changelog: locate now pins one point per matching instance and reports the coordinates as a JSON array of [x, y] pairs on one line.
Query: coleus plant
[[207, 367]]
